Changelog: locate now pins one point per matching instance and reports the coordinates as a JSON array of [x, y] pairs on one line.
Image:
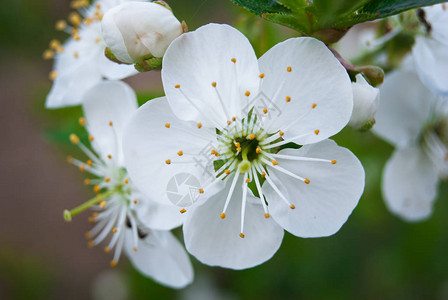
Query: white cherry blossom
[[135, 224], [225, 121], [365, 103]]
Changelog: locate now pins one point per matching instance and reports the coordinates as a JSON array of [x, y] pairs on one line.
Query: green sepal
[[154, 63], [108, 53], [368, 125]]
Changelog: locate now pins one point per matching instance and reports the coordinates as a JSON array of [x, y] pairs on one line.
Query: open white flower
[[225, 118], [80, 62], [136, 223], [430, 51], [365, 103], [135, 31], [411, 118]]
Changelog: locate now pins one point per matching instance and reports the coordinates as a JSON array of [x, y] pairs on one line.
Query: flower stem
[[68, 214]]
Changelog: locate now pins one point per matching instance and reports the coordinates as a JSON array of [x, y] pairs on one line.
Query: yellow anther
[[227, 171], [88, 235], [275, 163], [199, 125], [201, 191], [177, 86], [281, 133], [222, 215], [69, 159], [289, 69], [53, 74], [113, 263], [261, 75], [97, 188], [183, 210], [74, 139], [87, 21], [233, 119], [247, 180], [307, 181], [82, 168], [213, 152], [111, 124], [89, 162], [135, 249], [237, 145], [82, 121], [292, 206], [228, 122], [444, 6], [265, 110], [242, 235], [180, 153], [98, 6], [60, 25], [263, 174], [91, 244], [75, 18], [333, 162], [247, 93], [252, 137], [135, 201], [87, 181], [59, 49], [48, 54], [266, 215], [313, 105], [167, 125], [168, 161], [233, 60], [114, 230], [126, 181], [258, 150], [91, 219], [109, 156], [316, 131], [103, 204], [90, 138], [107, 179], [213, 84], [107, 249], [97, 40], [288, 99], [238, 149], [54, 44], [95, 215], [75, 54]]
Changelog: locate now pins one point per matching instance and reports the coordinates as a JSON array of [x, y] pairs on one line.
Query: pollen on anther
[[247, 180], [60, 25], [333, 162], [275, 163], [233, 60], [233, 119], [313, 105], [183, 210], [252, 137], [107, 179], [97, 188], [247, 93], [90, 138], [135, 249], [180, 153], [199, 125], [168, 161], [222, 215], [242, 235], [97, 40], [292, 206], [111, 124], [69, 159], [75, 54], [91, 244], [261, 75], [88, 235], [228, 122], [126, 181], [227, 171], [89, 162], [266, 215], [107, 249], [281, 133], [201, 191], [316, 131], [74, 139], [113, 263], [48, 54], [443, 6], [307, 181], [109, 156], [135, 201], [288, 99], [167, 125], [87, 181], [289, 69], [263, 174], [114, 230], [103, 204], [213, 84], [265, 110], [258, 150], [53, 75], [177, 86], [82, 121], [82, 168]]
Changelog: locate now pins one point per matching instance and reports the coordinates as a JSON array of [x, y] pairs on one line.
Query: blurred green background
[[374, 256]]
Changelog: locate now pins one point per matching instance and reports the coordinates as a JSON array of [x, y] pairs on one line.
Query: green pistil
[[68, 214]]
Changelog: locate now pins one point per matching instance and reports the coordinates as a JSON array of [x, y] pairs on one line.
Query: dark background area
[[374, 256]]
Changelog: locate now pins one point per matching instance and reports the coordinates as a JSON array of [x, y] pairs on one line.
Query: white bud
[[135, 31], [365, 103]]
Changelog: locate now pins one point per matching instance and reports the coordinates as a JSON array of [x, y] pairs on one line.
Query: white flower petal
[[323, 205], [404, 108], [151, 153], [365, 102], [315, 77], [108, 101], [410, 184], [197, 59], [216, 242], [159, 216], [161, 256]]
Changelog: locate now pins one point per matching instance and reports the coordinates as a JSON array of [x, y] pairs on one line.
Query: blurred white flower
[[80, 62], [135, 31], [412, 119], [224, 121], [136, 223], [365, 103], [430, 50]]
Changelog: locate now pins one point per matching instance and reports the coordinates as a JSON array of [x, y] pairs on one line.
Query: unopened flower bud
[[365, 103], [137, 31]]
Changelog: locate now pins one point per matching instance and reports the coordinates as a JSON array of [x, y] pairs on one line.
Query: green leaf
[[385, 8], [260, 7]]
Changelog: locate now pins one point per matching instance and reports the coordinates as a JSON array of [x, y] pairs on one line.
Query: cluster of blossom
[[238, 150]]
